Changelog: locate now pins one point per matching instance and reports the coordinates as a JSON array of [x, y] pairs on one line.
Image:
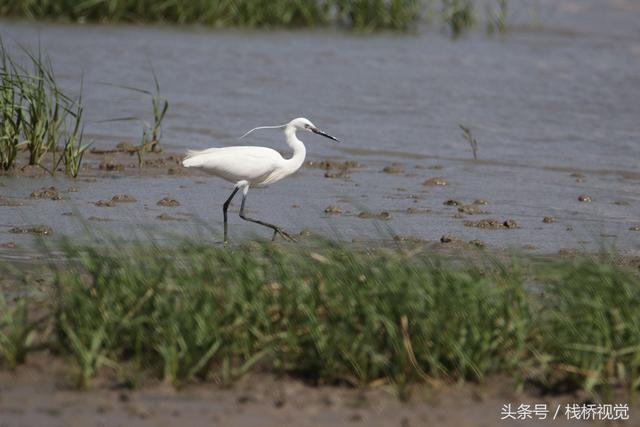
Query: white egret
[[249, 167]]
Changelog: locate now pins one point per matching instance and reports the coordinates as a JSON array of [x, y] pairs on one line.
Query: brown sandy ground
[[38, 394]]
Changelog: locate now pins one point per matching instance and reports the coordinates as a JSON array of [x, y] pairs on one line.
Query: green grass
[[360, 15], [17, 332], [151, 131], [334, 315], [357, 14], [74, 149], [369, 15], [11, 112], [593, 323], [458, 15], [330, 313], [497, 16], [37, 115]]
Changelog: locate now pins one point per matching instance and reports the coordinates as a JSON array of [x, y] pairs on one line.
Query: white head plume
[[263, 127]]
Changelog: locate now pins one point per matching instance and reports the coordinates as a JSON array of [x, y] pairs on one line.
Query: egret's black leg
[[276, 230], [224, 212]]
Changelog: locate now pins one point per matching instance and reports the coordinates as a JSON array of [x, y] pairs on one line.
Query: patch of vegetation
[[497, 17], [151, 131], [357, 14], [592, 324], [369, 15], [17, 332], [11, 114], [332, 313], [458, 15], [35, 114]]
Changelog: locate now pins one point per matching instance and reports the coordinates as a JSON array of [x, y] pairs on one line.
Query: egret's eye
[[306, 126]]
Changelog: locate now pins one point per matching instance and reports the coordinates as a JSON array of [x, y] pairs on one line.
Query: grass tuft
[[16, 332], [151, 131], [497, 18], [458, 15], [369, 15], [592, 323]]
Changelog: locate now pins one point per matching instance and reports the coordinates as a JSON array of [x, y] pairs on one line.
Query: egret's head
[[305, 124]]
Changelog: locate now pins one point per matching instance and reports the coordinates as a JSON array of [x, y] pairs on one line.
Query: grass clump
[[37, 115], [151, 131], [369, 15], [11, 114], [278, 13], [497, 17], [137, 313], [458, 15], [592, 323], [74, 150], [44, 114], [17, 332]]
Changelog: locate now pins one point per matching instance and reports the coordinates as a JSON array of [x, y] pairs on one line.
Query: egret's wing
[[235, 163], [248, 153]]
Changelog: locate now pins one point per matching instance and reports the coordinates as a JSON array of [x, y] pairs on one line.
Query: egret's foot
[[284, 234]]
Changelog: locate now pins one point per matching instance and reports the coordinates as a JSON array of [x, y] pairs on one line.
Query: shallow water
[[542, 102]]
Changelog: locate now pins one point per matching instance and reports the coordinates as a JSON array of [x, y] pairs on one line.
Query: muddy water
[[544, 103]]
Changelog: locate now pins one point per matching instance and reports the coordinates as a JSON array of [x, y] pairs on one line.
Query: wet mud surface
[[29, 398], [504, 206]]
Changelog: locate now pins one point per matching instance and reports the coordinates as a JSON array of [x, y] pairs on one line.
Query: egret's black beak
[[326, 135]]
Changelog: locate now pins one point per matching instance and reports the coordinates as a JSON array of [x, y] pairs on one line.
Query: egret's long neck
[[299, 151]]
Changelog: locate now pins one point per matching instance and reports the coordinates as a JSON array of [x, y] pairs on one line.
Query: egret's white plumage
[[254, 166]]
